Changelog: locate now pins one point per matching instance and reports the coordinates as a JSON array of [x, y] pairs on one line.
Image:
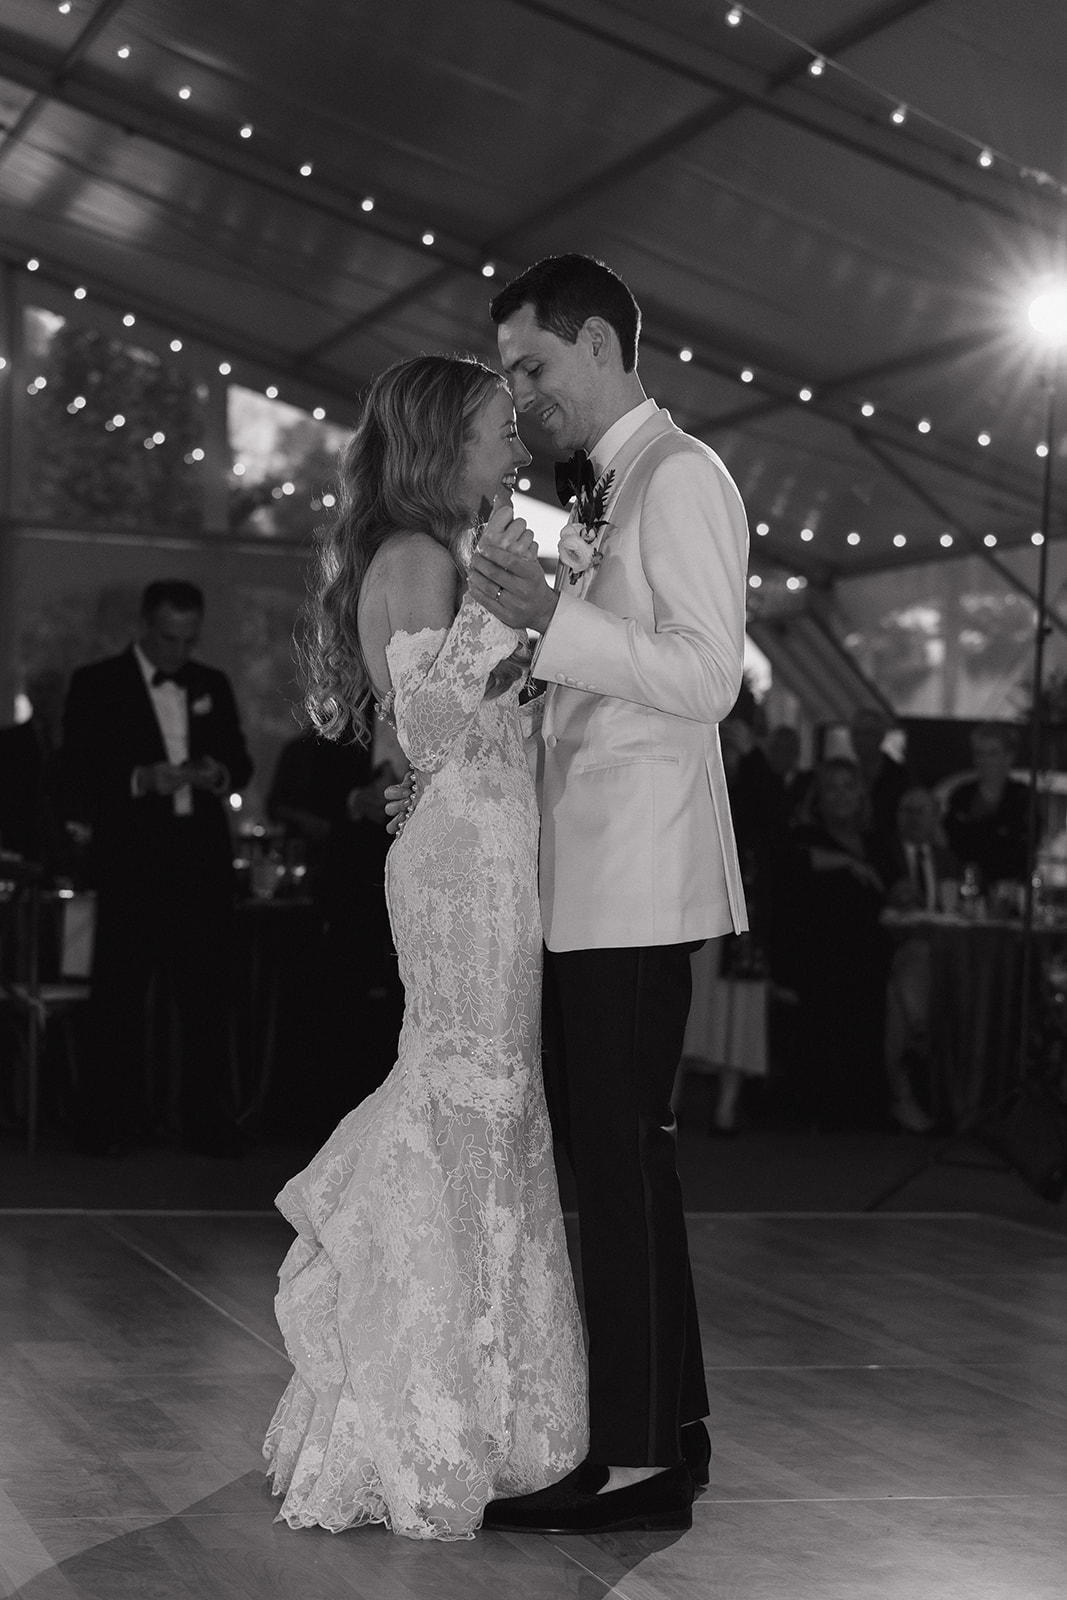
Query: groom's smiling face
[[555, 383]]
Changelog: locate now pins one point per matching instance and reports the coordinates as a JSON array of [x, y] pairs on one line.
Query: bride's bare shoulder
[[416, 577]]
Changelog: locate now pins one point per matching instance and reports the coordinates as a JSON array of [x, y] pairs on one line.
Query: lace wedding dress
[[427, 1302]]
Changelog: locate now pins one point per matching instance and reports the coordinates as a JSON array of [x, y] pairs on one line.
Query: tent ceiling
[[768, 219]]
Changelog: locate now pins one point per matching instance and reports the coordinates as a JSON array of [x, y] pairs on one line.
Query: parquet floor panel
[[889, 1416]]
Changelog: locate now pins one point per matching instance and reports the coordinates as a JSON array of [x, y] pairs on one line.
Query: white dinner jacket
[[644, 658]]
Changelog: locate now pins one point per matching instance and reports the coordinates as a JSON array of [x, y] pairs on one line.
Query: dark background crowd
[[240, 971]]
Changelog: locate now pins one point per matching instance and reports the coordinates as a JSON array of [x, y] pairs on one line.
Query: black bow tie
[[574, 476], [180, 677]]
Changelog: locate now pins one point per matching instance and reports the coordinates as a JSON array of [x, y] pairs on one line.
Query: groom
[[642, 650]]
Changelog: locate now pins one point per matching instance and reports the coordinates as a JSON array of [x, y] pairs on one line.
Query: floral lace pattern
[[427, 1302]]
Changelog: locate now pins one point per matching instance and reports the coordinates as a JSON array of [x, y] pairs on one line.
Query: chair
[[33, 1002]]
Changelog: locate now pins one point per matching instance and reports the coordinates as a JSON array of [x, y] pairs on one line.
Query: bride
[[427, 1303]]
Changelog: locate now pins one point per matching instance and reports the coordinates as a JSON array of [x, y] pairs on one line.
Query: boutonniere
[[202, 706], [579, 541]]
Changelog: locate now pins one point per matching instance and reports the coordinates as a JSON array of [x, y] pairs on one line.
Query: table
[[975, 994]]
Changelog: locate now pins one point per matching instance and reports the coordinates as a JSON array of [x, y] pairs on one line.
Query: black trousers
[[614, 1021], [174, 927]]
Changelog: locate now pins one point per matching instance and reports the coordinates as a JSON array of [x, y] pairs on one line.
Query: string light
[[807, 534], [80, 293], [924, 425], [366, 204], [1042, 450], [175, 345], [1037, 538], [899, 540], [946, 541], [747, 375], [984, 439], [319, 414], [427, 238], [733, 17], [32, 264], [271, 392], [184, 92], [246, 130], [225, 368], [853, 538], [238, 469], [866, 409], [123, 52], [755, 581], [128, 320], [990, 540], [524, 485], [685, 354], [3, 363], [817, 67], [985, 158], [805, 395], [900, 116], [762, 529], [306, 170], [64, 8], [488, 271]]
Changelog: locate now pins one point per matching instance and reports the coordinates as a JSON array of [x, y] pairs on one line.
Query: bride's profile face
[[493, 454]]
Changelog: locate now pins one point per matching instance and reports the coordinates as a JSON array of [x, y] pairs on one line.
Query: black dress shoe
[[696, 1453], [663, 1503]]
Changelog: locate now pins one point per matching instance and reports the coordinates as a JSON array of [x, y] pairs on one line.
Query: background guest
[[152, 747], [30, 821], [330, 796], [827, 947], [918, 864], [986, 820], [772, 782], [884, 778]]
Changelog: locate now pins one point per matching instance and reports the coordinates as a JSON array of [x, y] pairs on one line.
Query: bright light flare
[[1048, 314]]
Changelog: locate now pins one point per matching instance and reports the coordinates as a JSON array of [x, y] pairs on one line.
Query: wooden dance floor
[[889, 1399]]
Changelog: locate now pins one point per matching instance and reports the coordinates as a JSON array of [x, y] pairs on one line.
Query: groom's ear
[[599, 334]]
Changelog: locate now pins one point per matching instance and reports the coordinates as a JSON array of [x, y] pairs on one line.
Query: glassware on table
[[972, 901]]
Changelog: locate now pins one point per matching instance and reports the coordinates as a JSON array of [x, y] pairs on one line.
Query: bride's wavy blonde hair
[[400, 471]]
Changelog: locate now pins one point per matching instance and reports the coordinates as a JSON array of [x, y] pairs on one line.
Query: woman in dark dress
[[830, 949]]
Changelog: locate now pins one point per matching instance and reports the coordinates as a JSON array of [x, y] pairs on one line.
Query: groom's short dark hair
[[564, 292]]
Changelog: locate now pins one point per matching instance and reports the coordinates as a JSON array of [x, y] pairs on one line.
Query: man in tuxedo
[[152, 748], [29, 823], [642, 649]]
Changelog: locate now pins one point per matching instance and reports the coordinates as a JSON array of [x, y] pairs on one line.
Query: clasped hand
[[505, 574]]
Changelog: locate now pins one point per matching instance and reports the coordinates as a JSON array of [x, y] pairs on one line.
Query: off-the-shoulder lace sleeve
[[439, 680]]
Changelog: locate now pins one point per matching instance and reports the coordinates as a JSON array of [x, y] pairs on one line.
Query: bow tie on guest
[[574, 476], [180, 677]]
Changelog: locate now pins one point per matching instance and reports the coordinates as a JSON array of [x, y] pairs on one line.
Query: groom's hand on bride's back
[[400, 801]]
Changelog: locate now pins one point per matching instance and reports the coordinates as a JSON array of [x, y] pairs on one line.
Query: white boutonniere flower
[[202, 706], [574, 548], [578, 543]]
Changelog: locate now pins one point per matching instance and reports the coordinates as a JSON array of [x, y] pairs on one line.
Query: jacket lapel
[[622, 464]]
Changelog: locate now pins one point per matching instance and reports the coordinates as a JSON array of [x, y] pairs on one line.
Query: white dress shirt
[[171, 706], [607, 448]]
